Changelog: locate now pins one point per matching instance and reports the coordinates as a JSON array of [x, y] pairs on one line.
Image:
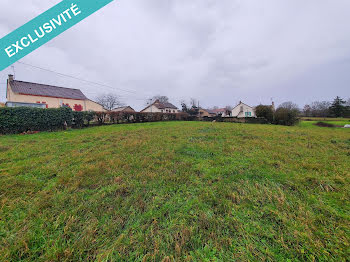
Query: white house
[[242, 110], [158, 107]]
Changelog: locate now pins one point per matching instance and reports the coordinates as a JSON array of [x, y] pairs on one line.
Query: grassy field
[[342, 119], [176, 191], [312, 124], [311, 121]]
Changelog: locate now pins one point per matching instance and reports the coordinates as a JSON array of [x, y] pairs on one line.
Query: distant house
[[223, 112], [206, 113], [127, 109], [158, 107], [242, 110], [28, 94]]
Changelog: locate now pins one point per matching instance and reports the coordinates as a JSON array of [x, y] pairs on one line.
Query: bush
[[286, 116], [82, 118], [23, 119], [78, 119], [88, 117], [265, 112]]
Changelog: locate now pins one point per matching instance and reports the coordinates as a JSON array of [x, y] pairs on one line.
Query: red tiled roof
[[34, 89]]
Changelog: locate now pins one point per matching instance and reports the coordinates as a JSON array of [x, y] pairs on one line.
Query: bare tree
[[161, 99], [193, 102], [109, 101], [320, 108], [289, 105], [307, 110]]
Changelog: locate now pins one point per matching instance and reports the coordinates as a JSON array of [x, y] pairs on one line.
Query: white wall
[[151, 109], [154, 109], [237, 112]]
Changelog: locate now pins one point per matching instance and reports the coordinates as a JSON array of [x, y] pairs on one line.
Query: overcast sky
[[217, 51]]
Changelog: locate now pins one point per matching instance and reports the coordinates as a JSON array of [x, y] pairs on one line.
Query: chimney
[[10, 78]]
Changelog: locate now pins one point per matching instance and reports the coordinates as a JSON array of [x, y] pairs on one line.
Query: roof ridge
[[37, 89], [46, 85]]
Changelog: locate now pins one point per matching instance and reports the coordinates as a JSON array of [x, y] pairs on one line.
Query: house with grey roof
[[127, 109], [27, 94], [158, 107]]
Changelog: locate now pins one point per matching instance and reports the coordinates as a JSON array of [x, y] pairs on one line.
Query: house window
[[248, 114], [162, 110], [174, 111]]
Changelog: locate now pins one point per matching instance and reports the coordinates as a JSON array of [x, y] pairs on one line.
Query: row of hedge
[[24, 119]]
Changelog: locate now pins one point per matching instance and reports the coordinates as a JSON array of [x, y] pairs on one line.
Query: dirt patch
[[323, 124]]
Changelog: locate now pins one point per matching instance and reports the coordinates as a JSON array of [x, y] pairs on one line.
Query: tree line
[[338, 108], [288, 113]]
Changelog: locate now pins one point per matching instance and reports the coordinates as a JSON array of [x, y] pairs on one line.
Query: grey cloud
[[219, 52]]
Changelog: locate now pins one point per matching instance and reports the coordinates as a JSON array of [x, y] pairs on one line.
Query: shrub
[[286, 116], [88, 116], [78, 119], [23, 119], [265, 112]]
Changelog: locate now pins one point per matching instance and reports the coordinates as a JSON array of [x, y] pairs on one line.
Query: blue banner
[[45, 27]]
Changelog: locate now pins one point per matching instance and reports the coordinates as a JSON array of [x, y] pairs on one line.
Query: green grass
[[333, 122], [176, 191], [342, 119]]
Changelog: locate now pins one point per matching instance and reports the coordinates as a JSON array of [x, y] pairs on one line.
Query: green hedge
[[80, 119], [23, 119]]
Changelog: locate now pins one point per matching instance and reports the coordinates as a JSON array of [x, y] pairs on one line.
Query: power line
[[77, 78], [86, 81]]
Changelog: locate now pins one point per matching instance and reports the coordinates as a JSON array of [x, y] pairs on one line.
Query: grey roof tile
[[35, 89]]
